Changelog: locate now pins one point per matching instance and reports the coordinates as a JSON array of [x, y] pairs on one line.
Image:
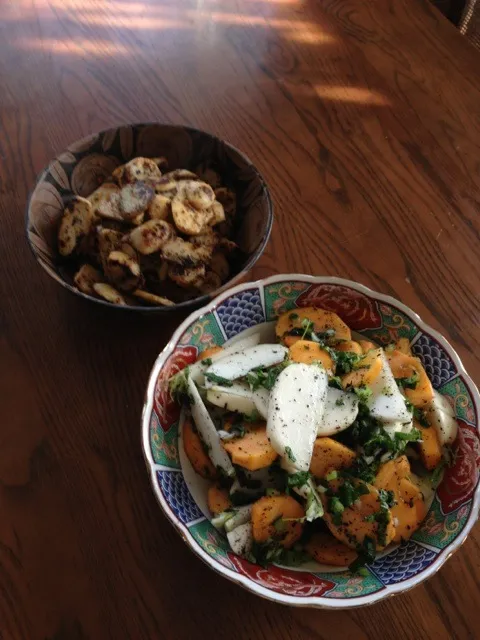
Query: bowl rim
[[318, 602], [181, 306]]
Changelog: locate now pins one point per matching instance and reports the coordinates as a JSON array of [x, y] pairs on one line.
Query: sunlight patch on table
[[77, 47], [359, 95]]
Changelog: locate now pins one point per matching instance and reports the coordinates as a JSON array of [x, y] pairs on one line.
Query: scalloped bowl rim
[[244, 581], [205, 298]]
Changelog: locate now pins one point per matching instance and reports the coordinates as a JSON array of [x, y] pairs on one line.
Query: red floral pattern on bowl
[[167, 410], [356, 309]]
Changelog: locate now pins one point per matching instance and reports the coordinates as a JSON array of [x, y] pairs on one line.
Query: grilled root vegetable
[[277, 518], [160, 207], [199, 194], [254, 450], [322, 321], [350, 346], [187, 277], [188, 219], [135, 199], [108, 293], [123, 271], [141, 169], [181, 252], [329, 455], [404, 366], [195, 451], [327, 550], [307, 352], [356, 522], [218, 499], [86, 277], [365, 371], [151, 236], [76, 223], [151, 298], [106, 201]]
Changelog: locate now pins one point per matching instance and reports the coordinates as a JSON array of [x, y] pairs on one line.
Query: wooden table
[[364, 118]]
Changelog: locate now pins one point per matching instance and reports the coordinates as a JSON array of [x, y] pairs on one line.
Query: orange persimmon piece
[[195, 451], [277, 518], [403, 345], [253, 451], [390, 473], [218, 499], [322, 321], [365, 371], [288, 341], [326, 549], [208, 353], [307, 352], [429, 447], [404, 366], [350, 346], [329, 455], [366, 345]]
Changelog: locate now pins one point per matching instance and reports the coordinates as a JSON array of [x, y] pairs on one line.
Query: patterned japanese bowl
[[85, 164], [182, 494]]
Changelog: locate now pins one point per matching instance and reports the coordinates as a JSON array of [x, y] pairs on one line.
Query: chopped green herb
[[346, 361], [289, 454], [421, 416], [279, 524], [253, 417], [363, 392], [178, 387], [437, 473], [408, 383], [265, 377], [271, 492], [207, 362], [264, 553], [224, 382], [298, 479], [409, 405], [335, 382], [370, 517], [293, 316], [366, 554], [383, 516], [339, 402], [314, 506], [336, 508], [333, 475]]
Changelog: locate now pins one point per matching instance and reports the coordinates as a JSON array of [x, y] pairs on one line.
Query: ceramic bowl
[[84, 165], [182, 494]]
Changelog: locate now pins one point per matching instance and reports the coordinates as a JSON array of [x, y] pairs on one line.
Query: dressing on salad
[[318, 446]]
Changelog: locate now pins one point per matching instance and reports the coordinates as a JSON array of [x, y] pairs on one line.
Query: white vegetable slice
[[261, 398], [386, 402], [341, 409], [441, 416], [236, 366], [208, 432], [295, 403], [197, 370], [241, 516], [398, 427], [241, 539], [238, 397]]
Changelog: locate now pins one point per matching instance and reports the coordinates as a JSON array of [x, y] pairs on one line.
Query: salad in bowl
[[314, 441], [317, 445]]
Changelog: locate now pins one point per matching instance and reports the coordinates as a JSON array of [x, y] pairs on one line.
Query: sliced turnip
[[241, 516], [232, 367], [386, 402], [295, 405], [314, 506], [238, 397], [208, 432], [441, 416], [398, 427], [241, 539], [341, 409], [197, 370]]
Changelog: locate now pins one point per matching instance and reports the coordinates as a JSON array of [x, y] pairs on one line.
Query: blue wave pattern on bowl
[[241, 312], [438, 364], [175, 489], [402, 563]]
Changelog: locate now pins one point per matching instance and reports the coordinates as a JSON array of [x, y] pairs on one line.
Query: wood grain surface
[[364, 118]]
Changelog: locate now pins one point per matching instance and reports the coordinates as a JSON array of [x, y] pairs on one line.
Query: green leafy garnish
[[383, 516], [366, 554], [212, 377], [420, 415], [333, 475], [265, 377], [264, 553], [289, 454], [346, 361], [207, 362], [314, 506], [253, 417], [363, 392], [408, 383], [336, 508], [298, 479], [293, 316], [279, 524], [178, 387], [335, 382]]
